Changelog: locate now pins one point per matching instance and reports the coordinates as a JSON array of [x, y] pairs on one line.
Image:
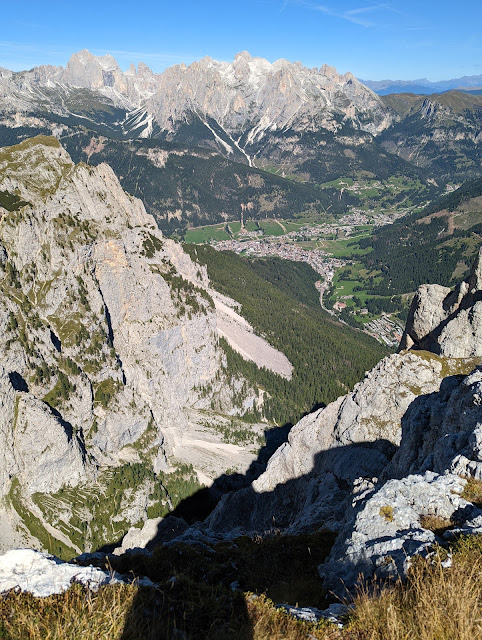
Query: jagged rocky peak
[[447, 322], [86, 59], [94, 72], [273, 96], [247, 98]]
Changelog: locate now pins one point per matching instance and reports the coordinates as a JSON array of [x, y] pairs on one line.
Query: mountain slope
[[110, 356], [389, 466], [279, 299], [439, 242], [118, 396], [309, 124], [440, 132]]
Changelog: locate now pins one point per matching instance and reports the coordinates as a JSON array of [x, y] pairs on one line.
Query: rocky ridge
[[109, 348], [243, 98]]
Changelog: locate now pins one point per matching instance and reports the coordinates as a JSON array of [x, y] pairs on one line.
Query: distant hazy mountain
[[423, 86]]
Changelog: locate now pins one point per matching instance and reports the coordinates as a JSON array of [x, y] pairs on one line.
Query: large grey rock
[[447, 322], [342, 448], [442, 431], [387, 528], [43, 575]]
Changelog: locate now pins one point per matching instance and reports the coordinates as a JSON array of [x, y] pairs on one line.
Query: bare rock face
[[333, 452], [108, 339], [447, 322], [440, 448], [385, 465], [390, 527], [270, 96]]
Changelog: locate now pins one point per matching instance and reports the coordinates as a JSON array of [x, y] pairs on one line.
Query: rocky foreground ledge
[[42, 574]]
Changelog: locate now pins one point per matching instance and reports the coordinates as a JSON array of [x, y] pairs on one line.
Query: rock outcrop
[[447, 322], [338, 451], [386, 465], [43, 575]]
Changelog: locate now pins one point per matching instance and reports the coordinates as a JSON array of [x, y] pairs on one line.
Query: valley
[[205, 274], [330, 248], [353, 281], [125, 355]]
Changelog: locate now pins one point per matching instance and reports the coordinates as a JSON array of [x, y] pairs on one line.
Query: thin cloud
[[29, 25], [24, 55], [342, 16], [353, 12], [25, 47], [351, 15], [348, 16], [388, 7]]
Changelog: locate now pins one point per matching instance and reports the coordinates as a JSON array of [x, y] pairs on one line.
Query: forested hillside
[[279, 299], [435, 245], [189, 186]]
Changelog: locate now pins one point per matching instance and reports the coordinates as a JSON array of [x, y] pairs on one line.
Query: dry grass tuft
[[268, 623], [436, 524], [434, 604], [473, 492], [77, 613], [124, 612]]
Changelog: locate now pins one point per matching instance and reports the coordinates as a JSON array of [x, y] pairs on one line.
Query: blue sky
[[372, 39]]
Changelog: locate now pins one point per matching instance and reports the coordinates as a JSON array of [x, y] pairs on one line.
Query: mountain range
[[423, 86], [113, 375], [216, 138], [181, 413]]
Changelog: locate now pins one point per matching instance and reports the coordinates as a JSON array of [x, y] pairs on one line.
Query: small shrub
[[436, 524], [387, 513]]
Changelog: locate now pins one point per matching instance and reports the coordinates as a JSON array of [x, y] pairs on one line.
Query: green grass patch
[[234, 227], [106, 391], [201, 235], [35, 527], [271, 228], [345, 248]]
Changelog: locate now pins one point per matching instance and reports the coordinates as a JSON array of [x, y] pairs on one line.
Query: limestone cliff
[[108, 347]]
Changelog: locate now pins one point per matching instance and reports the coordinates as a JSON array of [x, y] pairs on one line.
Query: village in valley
[[327, 247]]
